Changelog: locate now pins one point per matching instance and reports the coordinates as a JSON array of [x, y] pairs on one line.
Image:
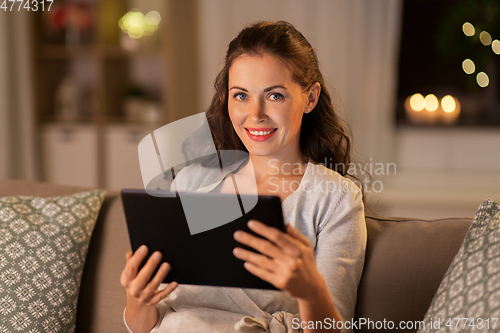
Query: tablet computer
[[204, 258]]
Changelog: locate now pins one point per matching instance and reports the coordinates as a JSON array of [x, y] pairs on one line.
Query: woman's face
[[266, 105]]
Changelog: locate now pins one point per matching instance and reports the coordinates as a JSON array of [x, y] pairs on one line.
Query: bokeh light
[[448, 104], [136, 24], [482, 79], [431, 102], [468, 29], [485, 38], [496, 46], [136, 31], [417, 102], [468, 66], [153, 18]]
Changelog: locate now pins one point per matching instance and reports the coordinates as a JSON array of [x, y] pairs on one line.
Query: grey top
[[328, 209]]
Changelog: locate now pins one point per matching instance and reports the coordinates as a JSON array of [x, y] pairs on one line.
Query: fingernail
[[252, 223], [157, 255], [238, 235], [236, 251], [165, 266], [143, 249]]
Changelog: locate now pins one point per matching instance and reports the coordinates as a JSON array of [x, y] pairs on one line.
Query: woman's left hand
[[286, 260]]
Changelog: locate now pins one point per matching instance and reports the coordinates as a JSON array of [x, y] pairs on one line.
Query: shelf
[[63, 121], [111, 52], [108, 121], [104, 73], [125, 121], [458, 125], [66, 52]]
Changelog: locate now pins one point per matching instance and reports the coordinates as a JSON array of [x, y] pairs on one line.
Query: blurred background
[[418, 81]]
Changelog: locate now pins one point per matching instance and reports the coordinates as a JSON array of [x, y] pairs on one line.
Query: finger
[[132, 267], [164, 293], [295, 233], [155, 282], [128, 255], [259, 244], [281, 239], [262, 273], [138, 256], [144, 275], [255, 259]]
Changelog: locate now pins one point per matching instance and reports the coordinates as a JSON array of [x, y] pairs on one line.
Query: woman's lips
[[260, 134]]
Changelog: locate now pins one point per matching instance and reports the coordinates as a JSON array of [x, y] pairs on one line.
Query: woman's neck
[[279, 167]]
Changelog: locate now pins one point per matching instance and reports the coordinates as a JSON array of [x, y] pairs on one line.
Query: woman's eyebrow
[[265, 90], [235, 87], [274, 87]]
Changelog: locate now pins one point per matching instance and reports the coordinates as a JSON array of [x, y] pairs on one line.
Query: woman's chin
[[261, 152]]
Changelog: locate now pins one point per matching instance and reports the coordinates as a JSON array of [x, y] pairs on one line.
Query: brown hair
[[323, 137]]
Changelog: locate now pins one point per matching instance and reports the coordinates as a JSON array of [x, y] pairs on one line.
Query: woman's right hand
[[143, 295]]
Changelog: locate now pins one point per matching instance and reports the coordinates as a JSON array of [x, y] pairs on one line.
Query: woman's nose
[[257, 111]]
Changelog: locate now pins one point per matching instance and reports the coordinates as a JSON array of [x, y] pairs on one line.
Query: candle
[[431, 105], [414, 106], [450, 108], [431, 110]]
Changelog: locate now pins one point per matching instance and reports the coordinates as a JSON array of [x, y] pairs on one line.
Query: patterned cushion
[[471, 286], [43, 245]]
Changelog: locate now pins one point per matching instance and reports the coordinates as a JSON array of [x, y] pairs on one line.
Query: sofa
[[406, 260]]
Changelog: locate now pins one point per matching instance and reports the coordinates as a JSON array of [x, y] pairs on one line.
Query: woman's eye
[[276, 97], [240, 96]]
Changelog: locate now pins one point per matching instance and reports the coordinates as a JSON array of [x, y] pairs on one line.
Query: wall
[[439, 173]]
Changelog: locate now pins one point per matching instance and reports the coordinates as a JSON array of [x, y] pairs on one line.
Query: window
[[441, 42]]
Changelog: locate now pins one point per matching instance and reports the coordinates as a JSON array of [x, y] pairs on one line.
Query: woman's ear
[[312, 97]]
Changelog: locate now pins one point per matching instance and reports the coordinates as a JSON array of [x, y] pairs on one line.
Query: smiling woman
[[322, 133], [266, 106], [271, 102]]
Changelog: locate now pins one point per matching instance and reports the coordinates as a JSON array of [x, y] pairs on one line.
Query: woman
[[271, 101]]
